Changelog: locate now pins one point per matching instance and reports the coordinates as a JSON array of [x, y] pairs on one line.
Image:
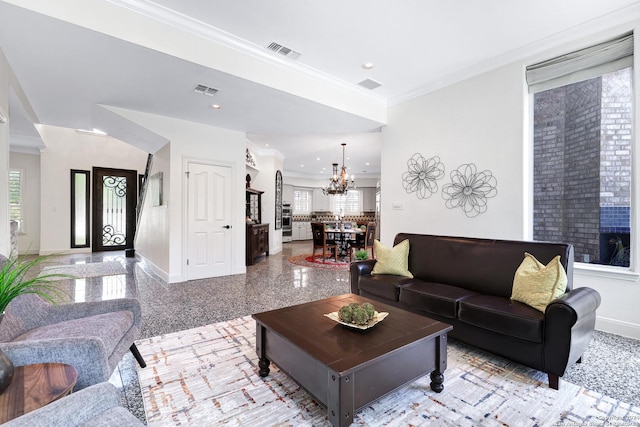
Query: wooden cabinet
[[257, 241], [254, 205]]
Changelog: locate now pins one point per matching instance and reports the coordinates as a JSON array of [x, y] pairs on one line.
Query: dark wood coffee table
[[344, 368]]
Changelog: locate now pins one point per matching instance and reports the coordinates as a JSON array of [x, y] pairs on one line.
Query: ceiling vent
[[283, 50], [370, 84], [205, 90]]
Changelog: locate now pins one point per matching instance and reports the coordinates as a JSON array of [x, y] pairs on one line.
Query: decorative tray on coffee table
[[377, 318]]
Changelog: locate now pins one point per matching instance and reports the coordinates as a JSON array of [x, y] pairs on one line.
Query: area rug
[[208, 376], [316, 262], [93, 269]]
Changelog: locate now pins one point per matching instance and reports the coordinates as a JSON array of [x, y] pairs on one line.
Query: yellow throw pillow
[[537, 285], [392, 261]]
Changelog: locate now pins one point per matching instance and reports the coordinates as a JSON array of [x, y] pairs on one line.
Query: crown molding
[[208, 32], [615, 23]]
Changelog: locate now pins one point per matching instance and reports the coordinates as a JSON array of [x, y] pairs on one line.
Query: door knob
[[226, 226]]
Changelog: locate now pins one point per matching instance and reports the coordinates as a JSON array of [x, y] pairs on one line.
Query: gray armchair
[[91, 336], [95, 406]]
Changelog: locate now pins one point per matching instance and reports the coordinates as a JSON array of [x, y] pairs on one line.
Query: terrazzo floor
[[610, 366]]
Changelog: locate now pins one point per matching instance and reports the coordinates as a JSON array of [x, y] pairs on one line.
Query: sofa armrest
[[569, 324], [86, 354], [75, 409], [357, 269]]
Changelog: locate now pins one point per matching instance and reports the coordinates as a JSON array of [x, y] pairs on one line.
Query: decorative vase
[[6, 368]]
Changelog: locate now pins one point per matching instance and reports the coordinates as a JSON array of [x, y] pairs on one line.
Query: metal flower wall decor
[[422, 176], [469, 190]]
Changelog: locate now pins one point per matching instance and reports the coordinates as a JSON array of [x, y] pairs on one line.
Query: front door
[[208, 221], [114, 208]]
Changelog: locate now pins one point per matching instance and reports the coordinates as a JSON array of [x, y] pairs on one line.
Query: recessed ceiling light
[[317, 158], [367, 65], [216, 106], [301, 166], [367, 164]]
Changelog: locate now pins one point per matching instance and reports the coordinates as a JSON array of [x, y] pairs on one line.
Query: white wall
[[5, 240], [29, 240], [194, 141], [484, 120], [67, 149], [268, 163], [152, 239]]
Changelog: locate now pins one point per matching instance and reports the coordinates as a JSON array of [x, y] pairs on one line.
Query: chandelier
[[339, 184]]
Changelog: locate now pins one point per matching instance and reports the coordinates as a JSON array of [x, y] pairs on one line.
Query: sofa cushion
[[536, 284], [434, 297], [109, 327], [502, 315], [392, 261], [385, 286]]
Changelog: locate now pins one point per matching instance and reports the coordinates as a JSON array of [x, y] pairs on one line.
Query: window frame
[[352, 207], [298, 209], [20, 205], [595, 269]]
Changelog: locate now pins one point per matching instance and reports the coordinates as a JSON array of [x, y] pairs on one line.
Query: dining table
[[343, 238]]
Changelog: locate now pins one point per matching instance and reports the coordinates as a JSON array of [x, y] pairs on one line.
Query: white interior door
[[209, 221]]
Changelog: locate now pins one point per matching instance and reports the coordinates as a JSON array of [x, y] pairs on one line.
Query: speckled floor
[[610, 366]]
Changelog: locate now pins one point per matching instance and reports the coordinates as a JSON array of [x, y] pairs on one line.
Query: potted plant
[[362, 255], [14, 282]]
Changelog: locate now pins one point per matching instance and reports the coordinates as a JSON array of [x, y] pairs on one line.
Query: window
[[347, 204], [301, 201], [80, 187], [582, 127], [16, 190]]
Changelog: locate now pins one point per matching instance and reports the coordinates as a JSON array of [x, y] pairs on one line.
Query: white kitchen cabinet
[[320, 202], [301, 231], [287, 194], [368, 199]]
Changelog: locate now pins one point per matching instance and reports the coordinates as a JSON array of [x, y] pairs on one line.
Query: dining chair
[[320, 241], [365, 241]]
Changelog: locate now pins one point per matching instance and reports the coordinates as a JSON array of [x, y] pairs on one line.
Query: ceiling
[[71, 64]]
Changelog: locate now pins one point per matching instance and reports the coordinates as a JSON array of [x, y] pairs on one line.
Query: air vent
[[283, 50], [205, 90], [370, 84]]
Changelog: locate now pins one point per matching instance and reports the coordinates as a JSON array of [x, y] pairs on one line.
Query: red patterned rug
[[316, 262]]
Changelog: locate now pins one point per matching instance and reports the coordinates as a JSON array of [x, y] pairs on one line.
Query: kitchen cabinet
[[301, 231], [368, 199], [320, 202], [287, 194]]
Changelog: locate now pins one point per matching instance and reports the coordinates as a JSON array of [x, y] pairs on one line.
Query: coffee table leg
[[437, 378], [264, 367], [263, 363], [436, 381], [340, 396]]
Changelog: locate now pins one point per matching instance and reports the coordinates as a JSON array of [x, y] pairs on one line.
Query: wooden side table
[[34, 386]]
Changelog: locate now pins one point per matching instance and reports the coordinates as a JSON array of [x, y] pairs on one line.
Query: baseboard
[[612, 326], [155, 269]]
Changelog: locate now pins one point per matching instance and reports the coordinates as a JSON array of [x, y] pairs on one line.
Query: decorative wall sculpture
[[469, 190], [422, 176]]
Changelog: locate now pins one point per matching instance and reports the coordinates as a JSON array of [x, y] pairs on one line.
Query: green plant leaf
[[14, 281]]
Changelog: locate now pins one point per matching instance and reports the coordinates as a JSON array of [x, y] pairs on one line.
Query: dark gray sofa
[[467, 282]]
